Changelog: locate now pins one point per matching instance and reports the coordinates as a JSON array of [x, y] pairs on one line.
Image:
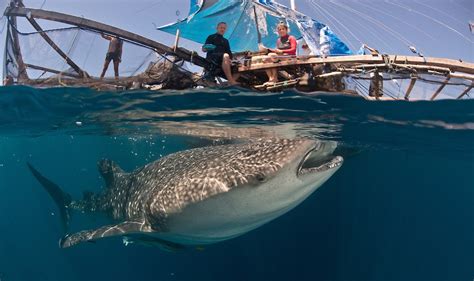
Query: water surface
[[400, 208]]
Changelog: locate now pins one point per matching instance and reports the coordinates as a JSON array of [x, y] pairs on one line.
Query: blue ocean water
[[400, 208]]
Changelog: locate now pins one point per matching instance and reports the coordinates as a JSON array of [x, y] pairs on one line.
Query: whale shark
[[203, 195]]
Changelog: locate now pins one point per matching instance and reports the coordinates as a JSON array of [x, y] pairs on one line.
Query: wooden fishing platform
[[366, 75], [328, 73]]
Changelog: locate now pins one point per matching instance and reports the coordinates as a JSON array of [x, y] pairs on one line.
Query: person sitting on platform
[[218, 51], [114, 53], [286, 46]]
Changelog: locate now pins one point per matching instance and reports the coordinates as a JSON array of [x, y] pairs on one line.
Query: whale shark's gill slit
[[305, 159]]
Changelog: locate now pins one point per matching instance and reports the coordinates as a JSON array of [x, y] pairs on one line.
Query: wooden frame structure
[[80, 76], [372, 67], [305, 73]]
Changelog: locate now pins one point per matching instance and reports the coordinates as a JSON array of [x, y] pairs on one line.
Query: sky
[[437, 28]]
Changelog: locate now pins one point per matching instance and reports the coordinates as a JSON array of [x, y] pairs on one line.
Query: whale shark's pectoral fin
[[149, 241], [61, 198], [124, 228]]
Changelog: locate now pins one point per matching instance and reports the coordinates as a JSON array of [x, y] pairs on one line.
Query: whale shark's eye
[[260, 177]]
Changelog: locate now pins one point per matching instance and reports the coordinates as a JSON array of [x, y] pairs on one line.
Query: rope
[[44, 2], [375, 21], [381, 11], [432, 19], [141, 65], [38, 32], [89, 52], [342, 34]]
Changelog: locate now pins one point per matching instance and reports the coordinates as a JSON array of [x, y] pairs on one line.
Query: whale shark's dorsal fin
[[124, 228], [110, 171]]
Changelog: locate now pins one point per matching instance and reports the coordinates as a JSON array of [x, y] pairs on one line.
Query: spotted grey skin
[[152, 198]]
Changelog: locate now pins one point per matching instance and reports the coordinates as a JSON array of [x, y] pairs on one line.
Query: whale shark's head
[[242, 186], [299, 161]]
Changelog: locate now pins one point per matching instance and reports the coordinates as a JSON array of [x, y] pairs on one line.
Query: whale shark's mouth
[[315, 161]]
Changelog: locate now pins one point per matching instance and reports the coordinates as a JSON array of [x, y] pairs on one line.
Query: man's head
[[221, 28]]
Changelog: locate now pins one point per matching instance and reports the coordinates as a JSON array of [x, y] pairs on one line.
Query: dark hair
[[282, 24], [222, 22]]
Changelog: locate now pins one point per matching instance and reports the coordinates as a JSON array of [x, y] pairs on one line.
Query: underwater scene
[[358, 190]]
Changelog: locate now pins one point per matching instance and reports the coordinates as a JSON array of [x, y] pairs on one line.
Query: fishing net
[[86, 50]]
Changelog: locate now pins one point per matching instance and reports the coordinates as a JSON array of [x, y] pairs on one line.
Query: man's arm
[[106, 37], [228, 50], [208, 41]]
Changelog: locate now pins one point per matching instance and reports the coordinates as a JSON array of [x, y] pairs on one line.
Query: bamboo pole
[[32, 66], [438, 63], [440, 88], [53, 45], [410, 87], [465, 91], [176, 40], [22, 74]]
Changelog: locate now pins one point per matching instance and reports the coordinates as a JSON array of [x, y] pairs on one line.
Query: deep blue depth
[[400, 208]]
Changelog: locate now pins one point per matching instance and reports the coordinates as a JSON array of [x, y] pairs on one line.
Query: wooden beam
[[42, 68], [182, 53], [440, 88], [465, 91], [56, 48], [462, 76], [22, 74], [410, 87], [176, 40], [452, 65]]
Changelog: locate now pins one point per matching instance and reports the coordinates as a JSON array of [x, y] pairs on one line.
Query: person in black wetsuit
[[218, 51]]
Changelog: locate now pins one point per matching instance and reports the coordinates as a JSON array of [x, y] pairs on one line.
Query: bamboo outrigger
[[327, 73], [364, 75]]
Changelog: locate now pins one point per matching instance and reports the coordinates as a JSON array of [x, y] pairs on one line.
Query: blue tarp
[[242, 31]]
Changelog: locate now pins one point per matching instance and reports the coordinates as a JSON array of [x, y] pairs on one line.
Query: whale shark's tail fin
[[61, 198]]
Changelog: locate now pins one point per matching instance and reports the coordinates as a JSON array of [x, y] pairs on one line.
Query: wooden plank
[[56, 48], [453, 65], [410, 87], [462, 76], [42, 68], [440, 88], [101, 27], [465, 92]]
